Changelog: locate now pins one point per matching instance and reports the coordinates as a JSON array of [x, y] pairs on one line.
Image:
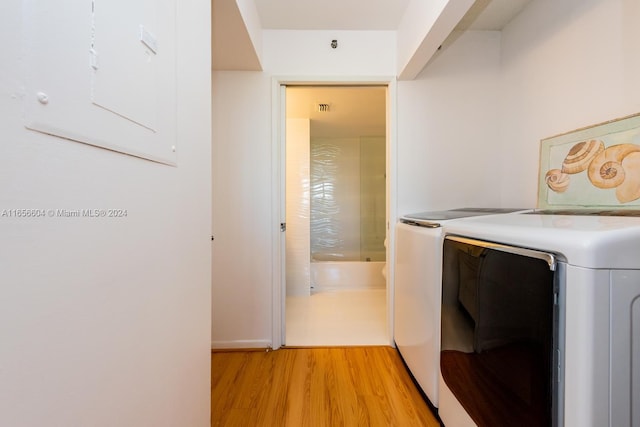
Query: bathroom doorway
[[336, 215]]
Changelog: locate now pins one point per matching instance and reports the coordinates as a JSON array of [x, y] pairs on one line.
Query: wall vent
[[323, 108]]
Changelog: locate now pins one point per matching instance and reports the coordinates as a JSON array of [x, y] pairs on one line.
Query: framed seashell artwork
[[596, 166]]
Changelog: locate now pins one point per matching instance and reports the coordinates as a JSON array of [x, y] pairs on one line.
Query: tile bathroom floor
[[353, 317]]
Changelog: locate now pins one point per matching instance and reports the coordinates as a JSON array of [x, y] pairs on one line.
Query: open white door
[[279, 193]]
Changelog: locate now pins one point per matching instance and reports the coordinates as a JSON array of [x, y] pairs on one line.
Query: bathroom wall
[[335, 199], [298, 207], [373, 200], [348, 204]]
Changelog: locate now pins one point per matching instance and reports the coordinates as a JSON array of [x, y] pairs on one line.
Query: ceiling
[[359, 111], [353, 111], [232, 46], [331, 14], [373, 15]]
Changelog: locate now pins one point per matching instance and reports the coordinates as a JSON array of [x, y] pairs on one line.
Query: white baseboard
[[240, 344]]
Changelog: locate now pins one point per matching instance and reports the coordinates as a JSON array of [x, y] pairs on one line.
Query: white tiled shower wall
[[335, 210]]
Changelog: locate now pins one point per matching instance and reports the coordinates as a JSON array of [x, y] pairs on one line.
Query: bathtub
[[336, 275]]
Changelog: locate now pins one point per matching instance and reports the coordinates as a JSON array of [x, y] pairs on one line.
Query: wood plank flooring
[[350, 386]]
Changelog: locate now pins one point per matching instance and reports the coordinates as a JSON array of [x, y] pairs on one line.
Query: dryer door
[[498, 329]]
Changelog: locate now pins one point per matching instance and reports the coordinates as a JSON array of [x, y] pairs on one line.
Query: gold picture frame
[[593, 167]]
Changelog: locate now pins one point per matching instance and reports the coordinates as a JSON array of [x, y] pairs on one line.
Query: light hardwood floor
[[349, 386]]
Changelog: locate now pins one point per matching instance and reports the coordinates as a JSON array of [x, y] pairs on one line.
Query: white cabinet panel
[[124, 69], [96, 81]]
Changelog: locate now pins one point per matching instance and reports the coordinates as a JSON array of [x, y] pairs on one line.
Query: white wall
[[565, 65], [309, 53], [447, 140], [242, 222], [105, 322], [242, 180], [472, 121]]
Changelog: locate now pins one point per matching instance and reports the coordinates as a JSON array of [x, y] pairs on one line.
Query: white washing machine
[[592, 372], [418, 255]]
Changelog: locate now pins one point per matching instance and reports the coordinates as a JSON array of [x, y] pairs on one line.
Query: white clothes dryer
[[418, 257], [584, 323]]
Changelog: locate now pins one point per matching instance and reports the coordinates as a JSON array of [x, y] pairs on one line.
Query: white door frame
[[278, 210]]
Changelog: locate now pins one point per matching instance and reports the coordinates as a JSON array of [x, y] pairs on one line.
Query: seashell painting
[[557, 180], [596, 166], [581, 154]]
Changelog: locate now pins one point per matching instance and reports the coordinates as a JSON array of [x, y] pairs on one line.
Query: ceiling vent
[[323, 108]]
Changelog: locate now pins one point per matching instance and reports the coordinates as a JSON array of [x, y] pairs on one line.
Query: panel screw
[[334, 43], [42, 98]]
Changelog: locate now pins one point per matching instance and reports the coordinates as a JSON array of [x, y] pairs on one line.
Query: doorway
[[336, 215]]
